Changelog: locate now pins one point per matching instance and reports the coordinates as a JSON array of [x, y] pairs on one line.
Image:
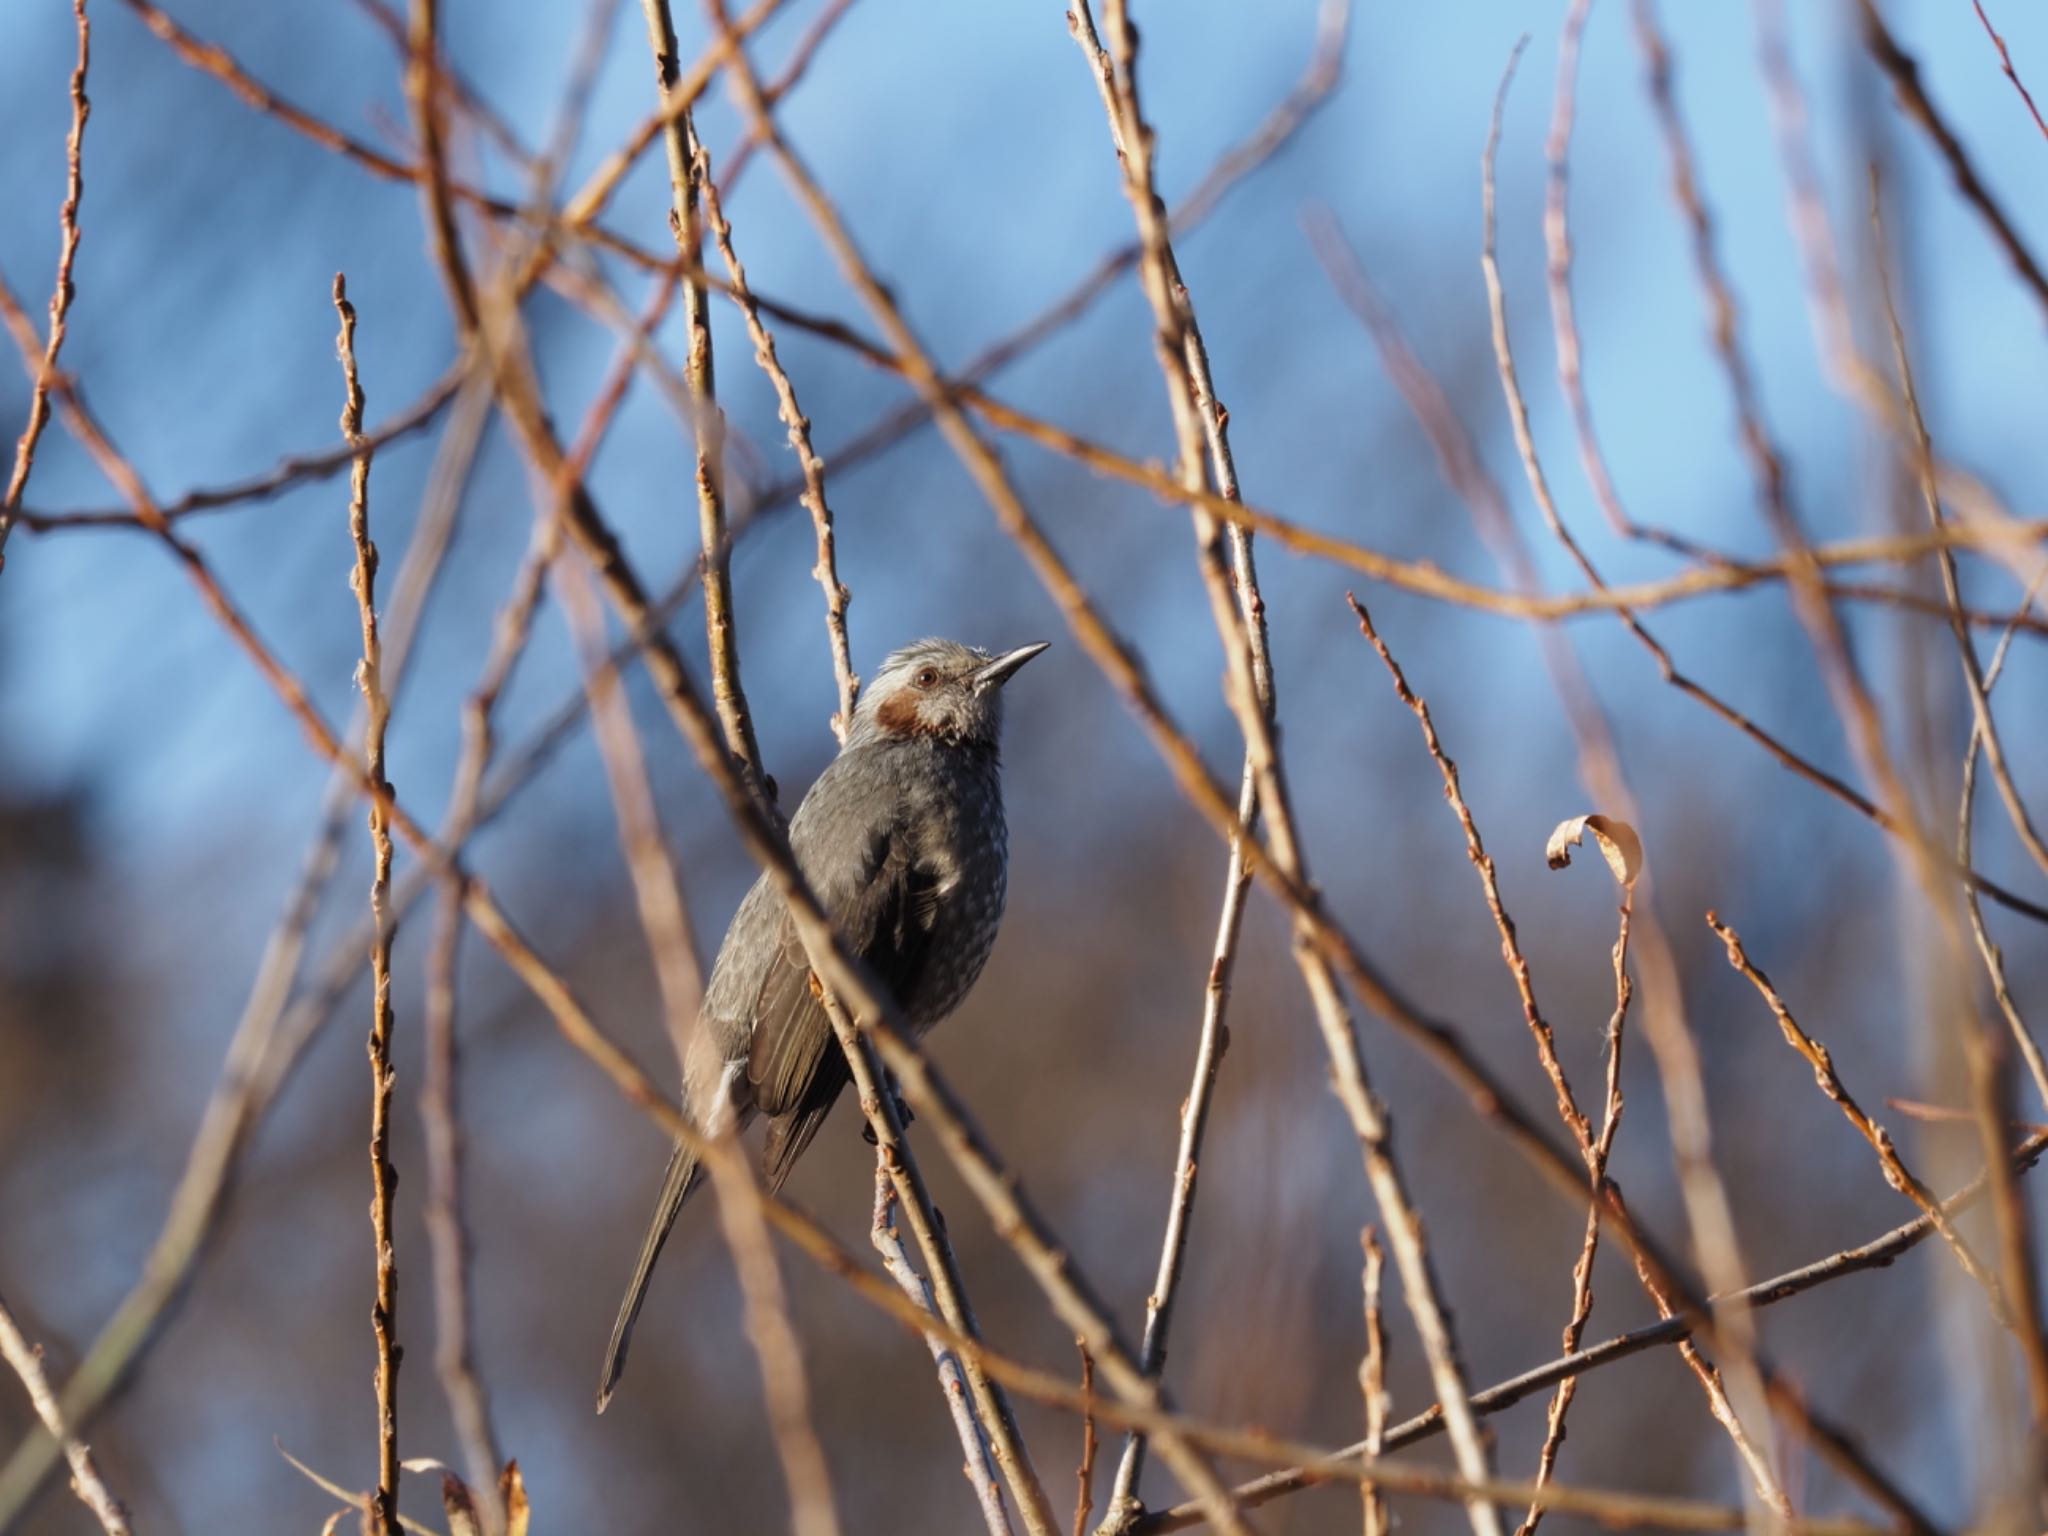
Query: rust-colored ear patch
[[898, 715]]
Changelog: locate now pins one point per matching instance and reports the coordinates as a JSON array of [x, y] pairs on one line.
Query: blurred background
[[156, 800]]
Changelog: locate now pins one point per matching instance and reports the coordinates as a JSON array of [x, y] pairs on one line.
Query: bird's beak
[[998, 672]]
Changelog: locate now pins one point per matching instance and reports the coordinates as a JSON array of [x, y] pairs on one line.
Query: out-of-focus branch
[[60, 299], [793, 71], [774, 1338], [92, 1490], [1987, 949], [1903, 71], [1990, 1077]]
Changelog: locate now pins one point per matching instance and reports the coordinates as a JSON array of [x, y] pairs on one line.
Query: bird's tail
[[676, 1186]]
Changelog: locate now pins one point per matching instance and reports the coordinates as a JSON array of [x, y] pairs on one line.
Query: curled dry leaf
[[1618, 842], [461, 1508], [512, 1493]]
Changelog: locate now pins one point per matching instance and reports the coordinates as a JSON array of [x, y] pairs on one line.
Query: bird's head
[[939, 690]]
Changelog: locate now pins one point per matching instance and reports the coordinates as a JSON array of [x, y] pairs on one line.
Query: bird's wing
[[883, 908]]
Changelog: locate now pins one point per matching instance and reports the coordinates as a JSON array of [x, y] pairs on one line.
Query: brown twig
[[687, 170], [2005, 64], [61, 297], [288, 473], [1084, 1496], [1594, 1152], [1372, 1382], [383, 1077], [1589, 1245], [811, 467], [657, 886], [1896, 1173], [977, 1464], [27, 1362]]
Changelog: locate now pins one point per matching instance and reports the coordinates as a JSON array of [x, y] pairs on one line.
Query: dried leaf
[[1618, 842], [462, 1515], [512, 1492]]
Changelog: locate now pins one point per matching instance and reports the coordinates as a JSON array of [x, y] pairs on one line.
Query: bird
[[903, 841]]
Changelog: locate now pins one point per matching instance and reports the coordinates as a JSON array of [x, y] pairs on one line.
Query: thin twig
[[288, 473], [687, 170], [1084, 1475], [60, 299], [810, 465], [1896, 1173], [2006, 65], [977, 1464], [383, 1077], [91, 1488], [1372, 1382], [1593, 1151], [1589, 1245]]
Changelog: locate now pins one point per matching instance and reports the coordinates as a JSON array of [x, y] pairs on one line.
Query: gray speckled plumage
[[903, 840]]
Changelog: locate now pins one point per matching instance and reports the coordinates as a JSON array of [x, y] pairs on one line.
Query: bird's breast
[[966, 846]]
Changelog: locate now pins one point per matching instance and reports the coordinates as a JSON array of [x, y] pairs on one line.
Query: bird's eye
[[927, 677]]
